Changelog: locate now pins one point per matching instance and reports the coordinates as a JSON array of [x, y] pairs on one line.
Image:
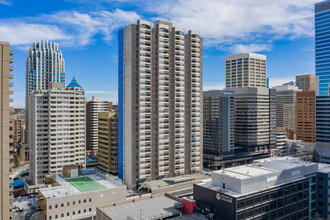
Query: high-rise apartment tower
[[160, 101], [5, 147], [107, 158], [93, 107], [57, 131], [44, 65]]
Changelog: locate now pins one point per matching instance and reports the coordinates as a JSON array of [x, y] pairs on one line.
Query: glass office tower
[[322, 70]]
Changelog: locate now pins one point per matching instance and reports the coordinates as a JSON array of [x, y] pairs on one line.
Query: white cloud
[[12, 32], [280, 81], [69, 28], [213, 86], [235, 26], [246, 48], [5, 2], [224, 22]]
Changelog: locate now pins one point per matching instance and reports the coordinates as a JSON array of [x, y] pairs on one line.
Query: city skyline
[[286, 37]]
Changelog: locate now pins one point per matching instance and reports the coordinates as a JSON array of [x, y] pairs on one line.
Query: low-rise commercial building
[[273, 188], [78, 196], [154, 208]]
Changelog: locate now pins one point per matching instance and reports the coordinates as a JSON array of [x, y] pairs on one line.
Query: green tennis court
[[85, 184]]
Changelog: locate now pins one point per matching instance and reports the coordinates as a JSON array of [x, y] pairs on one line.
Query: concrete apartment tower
[[218, 125], [306, 82], [255, 119], [107, 158], [44, 65], [93, 107], [322, 92], [160, 101], [5, 147], [57, 130], [246, 70], [286, 106]]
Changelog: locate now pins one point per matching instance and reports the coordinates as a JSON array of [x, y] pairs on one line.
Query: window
[[90, 199], [257, 199], [56, 216], [90, 209], [62, 205], [73, 213], [68, 204], [84, 210], [62, 215], [84, 200], [50, 217], [249, 202], [79, 202], [56, 206], [67, 214], [78, 211], [240, 205], [50, 207], [74, 202]]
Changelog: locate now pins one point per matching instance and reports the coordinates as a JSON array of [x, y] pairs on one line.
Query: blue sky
[[86, 31]]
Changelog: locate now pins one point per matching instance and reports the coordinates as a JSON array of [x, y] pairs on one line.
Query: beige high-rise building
[[286, 105], [5, 147], [93, 107], [18, 130], [306, 82], [108, 142], [160, 107], [57, 131], [246, 70]]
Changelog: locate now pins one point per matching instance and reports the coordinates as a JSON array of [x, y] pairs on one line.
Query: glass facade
[[322, 50], [120, 104], [322, 71], [290, 201]]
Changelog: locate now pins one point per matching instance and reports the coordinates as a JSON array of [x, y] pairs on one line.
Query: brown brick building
[[108, 142], [305, 116], [306, 82]]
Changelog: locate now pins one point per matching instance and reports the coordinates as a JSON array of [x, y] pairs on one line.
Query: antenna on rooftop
[[223, 167]]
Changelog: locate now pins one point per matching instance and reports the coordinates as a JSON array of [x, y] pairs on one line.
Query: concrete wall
[[88, 201], [5, 93]]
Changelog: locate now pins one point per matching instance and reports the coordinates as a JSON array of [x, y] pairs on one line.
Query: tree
[[17, 160]]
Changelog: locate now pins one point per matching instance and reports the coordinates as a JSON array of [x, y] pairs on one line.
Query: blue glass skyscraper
[[322, 70]]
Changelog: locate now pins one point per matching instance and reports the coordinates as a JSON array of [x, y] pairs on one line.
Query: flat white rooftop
[[260, 175], [154, 208], [82, 184], [263, 167]]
